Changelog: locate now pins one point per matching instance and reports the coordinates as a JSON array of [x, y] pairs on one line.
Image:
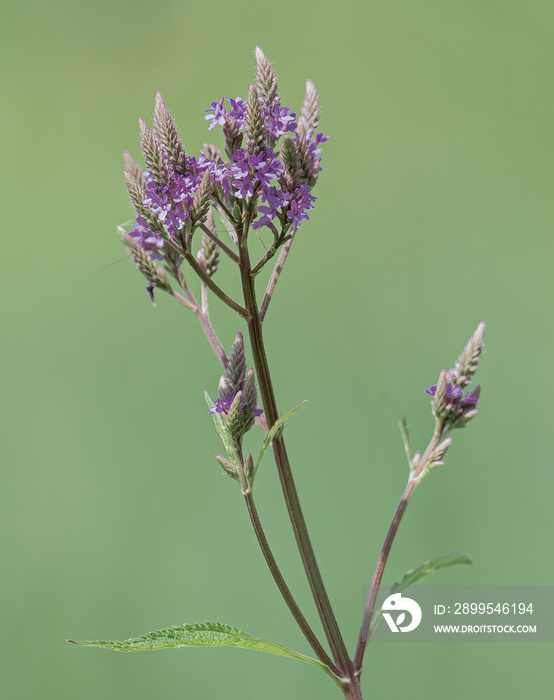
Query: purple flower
[[245, 187], [238, 111], [150, 290], [248, 171], [267, 167], [275, 200], [453, 391], [280, 120], [219, 171], [449, 404], [172, 203], [240, 165], [313, 148], [165, 195], [223, 406], [218, 116], [301, 202], [472, 397], [147, 239]]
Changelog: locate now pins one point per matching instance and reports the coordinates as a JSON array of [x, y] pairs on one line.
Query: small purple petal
[[469, 399], [454, 391], [238, 111], [218, 116], [221, 406]]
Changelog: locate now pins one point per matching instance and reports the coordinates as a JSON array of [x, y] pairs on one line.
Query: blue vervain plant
[[262, 182]]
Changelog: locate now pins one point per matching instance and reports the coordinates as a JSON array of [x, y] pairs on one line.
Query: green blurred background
[[435, 212]]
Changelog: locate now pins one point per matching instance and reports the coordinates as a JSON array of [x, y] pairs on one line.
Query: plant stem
[[290, 493], [386, 548], [205, 322], [281, 584], [213, 286], [271, 252], [378, 575], [353, 690], [210, 334], [219, 243], [275, 275]]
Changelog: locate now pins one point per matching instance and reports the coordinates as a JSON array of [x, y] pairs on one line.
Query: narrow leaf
[[428, 568], [414, 575], [406, 440], [271, 434], [207, 634]]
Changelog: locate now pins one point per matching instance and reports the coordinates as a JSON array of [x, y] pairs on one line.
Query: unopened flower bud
[[254, 127], [451, 407], [230, 469], [435, 459], [249, 465], [163, 280], [467, 363], [237, 395], [201, 202]]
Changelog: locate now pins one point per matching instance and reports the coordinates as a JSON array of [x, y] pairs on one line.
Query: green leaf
[[428, 568], [271, 434], [406, 440], [414, 575], [206, 634]]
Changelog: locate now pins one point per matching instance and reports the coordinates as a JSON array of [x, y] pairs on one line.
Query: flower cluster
[[272, 179], [237, 394], [277, 120], [450, 405], [449, 402], [220, 115]]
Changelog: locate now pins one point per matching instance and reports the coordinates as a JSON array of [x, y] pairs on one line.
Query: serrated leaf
[[271, 434], [428, 568], [206, 634]]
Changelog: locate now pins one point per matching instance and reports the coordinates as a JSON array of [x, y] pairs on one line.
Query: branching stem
[[275, 275], [272, 251], [204, 277], [219, 243], [386, 548], [290, 493], [277, 575], [207, 327]]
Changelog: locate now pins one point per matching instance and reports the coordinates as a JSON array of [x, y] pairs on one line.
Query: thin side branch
[[275, 275], [204, 297], [207, 327], [184, 302], [225, 209], [204, 277], [213, 340], [385, 551], [219, 243], [279, 241]]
